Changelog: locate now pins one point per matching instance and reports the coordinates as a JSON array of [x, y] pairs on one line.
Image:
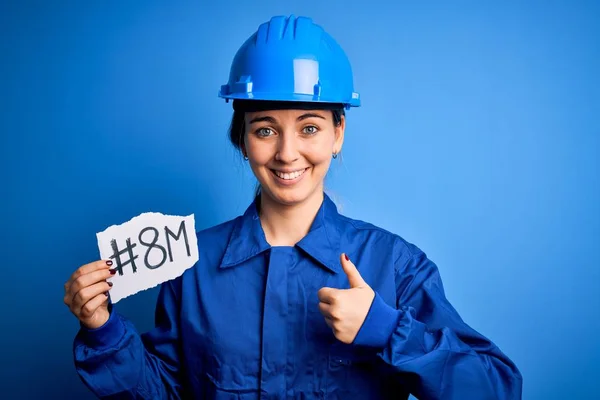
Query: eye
[[310, 130], [264, 132]]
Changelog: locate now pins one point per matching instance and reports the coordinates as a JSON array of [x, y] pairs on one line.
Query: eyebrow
[[309, 115], [272, 120], [262, 119]]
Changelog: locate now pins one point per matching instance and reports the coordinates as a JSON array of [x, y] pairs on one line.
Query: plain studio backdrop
[[478, 140]]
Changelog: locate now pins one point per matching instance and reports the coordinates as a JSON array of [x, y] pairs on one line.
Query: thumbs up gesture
[[345, 310]]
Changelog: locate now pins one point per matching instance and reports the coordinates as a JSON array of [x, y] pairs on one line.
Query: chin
[[293, 197], [288, 196]]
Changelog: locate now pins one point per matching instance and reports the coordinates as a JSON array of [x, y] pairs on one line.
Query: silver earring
[[335, 155], [245, 158]]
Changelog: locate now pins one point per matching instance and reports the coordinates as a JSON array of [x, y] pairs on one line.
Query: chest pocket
[[353, 373]]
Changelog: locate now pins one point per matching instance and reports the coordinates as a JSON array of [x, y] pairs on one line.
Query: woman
[[291, 300]]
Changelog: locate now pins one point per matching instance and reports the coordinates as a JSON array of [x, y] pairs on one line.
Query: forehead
[[288, 114]]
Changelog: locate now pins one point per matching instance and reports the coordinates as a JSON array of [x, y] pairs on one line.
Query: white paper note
[[148, 250]]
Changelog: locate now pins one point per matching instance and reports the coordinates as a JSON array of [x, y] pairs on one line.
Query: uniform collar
[[322, 242]]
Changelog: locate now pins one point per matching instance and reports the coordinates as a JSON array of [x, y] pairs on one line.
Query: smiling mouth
[[289, 176]]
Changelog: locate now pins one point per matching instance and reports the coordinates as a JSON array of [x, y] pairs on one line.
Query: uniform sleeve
[[429, 347], [116, 362]]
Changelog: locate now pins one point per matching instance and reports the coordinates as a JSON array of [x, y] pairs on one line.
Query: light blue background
[[479, 141]]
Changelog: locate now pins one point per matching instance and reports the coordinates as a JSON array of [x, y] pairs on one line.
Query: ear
[[339, 135]]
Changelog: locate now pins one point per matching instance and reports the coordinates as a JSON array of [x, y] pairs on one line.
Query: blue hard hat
[[291, 59]]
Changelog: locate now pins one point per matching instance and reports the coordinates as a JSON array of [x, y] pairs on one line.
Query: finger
[[88, 280], [88, 293], [327, 295], [325, 309], [352, 273], [92, 305], [86, 269], [329, 322]]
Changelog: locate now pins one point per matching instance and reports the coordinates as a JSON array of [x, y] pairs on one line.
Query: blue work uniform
[[244, 323]]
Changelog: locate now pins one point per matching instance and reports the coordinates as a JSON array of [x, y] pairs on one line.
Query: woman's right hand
[[86, 293]]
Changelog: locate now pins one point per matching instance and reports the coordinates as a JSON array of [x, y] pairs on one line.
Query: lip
[[288, 182]]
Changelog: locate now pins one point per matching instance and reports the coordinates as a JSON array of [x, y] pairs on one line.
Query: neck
[[287, 225]]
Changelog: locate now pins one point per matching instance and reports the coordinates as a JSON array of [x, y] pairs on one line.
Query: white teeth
[[289, 175]]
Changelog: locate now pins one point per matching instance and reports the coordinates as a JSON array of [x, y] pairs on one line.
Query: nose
[[287, 148]]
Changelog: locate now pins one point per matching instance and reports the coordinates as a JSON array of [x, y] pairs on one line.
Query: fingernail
[[110, 284], [109, 263], [106, 294], [346, 255], [112, 271]]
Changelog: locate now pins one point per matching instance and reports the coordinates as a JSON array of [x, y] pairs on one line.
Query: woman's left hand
[[345, 310]]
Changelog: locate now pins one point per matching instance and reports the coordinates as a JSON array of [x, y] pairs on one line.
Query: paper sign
[[148, 250]]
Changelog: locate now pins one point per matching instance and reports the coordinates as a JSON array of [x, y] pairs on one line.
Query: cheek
[[321, 159], [260, 152], [320, 152]]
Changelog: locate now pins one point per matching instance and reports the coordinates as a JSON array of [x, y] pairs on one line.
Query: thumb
[[351, 272]]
